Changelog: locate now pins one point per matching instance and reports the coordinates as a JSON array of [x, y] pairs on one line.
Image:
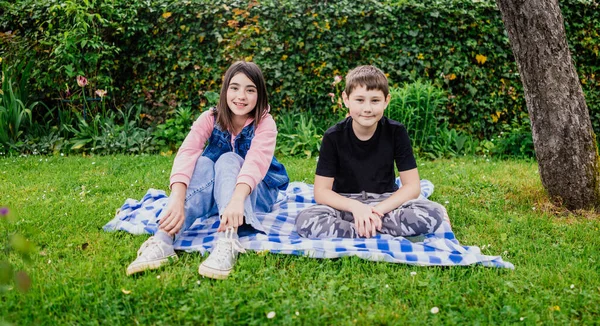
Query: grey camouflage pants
[[415, 217]]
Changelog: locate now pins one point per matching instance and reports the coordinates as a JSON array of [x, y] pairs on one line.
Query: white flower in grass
[[572, 286], [446, 202], [271, 315], [198, 282], [413, 273], [522, 318], [387, 286], [157, 276], [435, 310], [297, 313]]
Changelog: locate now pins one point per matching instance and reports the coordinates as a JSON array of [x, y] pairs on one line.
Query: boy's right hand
[[367, 222], [173, 216]]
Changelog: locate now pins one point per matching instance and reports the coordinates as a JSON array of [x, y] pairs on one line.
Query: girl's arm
[[255, 167], [173, 217], [259, 156], [411, 188], [233, 215], [191, 149]]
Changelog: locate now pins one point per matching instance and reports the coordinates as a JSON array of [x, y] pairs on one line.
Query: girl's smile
[[241, 95]]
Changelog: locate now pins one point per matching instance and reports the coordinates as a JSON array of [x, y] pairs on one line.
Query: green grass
[[61, 204]]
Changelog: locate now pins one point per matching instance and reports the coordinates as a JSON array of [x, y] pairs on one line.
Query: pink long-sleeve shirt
[[257, 161]]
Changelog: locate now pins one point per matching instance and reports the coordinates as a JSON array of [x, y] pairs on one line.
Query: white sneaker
[[152, 254], [221, 260]]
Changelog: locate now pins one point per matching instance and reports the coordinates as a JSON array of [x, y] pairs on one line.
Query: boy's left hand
[[233, 215]]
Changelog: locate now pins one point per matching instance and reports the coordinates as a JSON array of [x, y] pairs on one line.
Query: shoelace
[[235, 245], [148, 243]]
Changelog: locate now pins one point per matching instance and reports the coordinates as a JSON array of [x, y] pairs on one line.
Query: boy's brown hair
[[253, 72], [369, 76]]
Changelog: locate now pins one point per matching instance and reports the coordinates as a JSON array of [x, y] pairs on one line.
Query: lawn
[[78, 271]]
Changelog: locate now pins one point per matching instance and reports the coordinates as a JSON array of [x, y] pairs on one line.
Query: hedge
[[166, 53]]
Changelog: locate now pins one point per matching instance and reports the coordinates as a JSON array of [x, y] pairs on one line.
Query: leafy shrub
[[416, 105], [109, 135], [176, 51], [515, 140], [298, 135], [450, 143], [15, 105], [170, 135], [48, 143]]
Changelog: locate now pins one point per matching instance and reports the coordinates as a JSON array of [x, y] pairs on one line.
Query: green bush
[[451, 143], [166, 54], [170, 135], [515, 141], [417, 106], [298, 136], [15, 105]]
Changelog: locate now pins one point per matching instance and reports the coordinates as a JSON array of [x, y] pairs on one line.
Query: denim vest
[[219, 143]]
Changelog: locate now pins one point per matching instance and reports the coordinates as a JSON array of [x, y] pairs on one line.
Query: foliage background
[[164, 54]]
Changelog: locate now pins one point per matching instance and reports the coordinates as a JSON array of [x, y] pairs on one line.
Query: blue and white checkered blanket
[[438, 249]]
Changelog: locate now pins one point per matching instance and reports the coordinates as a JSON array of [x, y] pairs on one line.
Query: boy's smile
[[366, 109]]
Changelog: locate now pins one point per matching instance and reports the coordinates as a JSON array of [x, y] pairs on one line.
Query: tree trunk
[[564, 141]]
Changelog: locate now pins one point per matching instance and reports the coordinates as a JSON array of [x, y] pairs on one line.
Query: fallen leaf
[[23, 281]]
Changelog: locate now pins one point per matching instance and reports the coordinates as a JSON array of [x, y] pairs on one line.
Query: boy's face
[[366, 107]]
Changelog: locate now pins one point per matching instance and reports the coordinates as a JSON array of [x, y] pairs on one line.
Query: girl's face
[[241, 95]]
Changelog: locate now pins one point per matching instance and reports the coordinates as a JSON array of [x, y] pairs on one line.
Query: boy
[[354, 182]]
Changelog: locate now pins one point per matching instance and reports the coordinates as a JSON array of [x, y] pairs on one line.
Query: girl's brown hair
[[224, 117]]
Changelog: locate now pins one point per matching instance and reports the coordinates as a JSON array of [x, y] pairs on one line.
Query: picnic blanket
[[437, 249]]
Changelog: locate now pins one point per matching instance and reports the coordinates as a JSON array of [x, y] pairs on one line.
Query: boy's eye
[[375, 101], [360, 100]]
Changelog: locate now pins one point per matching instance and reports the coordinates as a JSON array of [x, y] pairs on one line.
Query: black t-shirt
[[358, 165]]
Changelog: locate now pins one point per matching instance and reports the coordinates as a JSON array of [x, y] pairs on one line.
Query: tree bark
[[564, 141]]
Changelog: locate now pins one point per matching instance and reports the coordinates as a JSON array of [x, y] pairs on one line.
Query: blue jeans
[[212, 185]]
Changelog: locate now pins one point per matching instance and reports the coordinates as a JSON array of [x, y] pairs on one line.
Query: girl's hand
[[172, 218], [233, 215]]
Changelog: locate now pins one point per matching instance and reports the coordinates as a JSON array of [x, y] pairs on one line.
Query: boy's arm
[[411, 188], [324, 195]]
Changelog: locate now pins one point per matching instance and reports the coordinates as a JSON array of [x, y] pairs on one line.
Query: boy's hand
[[233, 215], [173, 216], [365, 220]]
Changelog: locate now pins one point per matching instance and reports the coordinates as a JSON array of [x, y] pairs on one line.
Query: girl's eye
[[233, 88], [251, 90]]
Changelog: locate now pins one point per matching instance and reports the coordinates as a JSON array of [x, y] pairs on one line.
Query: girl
[[234, 176]]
